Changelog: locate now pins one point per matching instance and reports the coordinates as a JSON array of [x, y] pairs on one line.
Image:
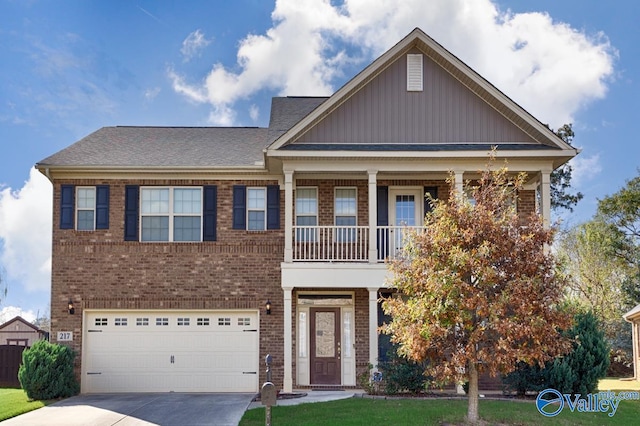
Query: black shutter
[[433, 192], [67, 206], [239, 207], [131, 202], [383, 206], [102, 207], [209, 213], [273, 207], [383, 220]]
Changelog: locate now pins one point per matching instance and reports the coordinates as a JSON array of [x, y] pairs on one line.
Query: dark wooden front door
[[325, 346]]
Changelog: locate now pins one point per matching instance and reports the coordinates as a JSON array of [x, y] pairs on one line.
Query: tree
[[621, 212], [475, 290], [595, 275], [561, 177]]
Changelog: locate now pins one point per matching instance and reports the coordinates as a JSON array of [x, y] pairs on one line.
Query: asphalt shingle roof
[[165, 146]]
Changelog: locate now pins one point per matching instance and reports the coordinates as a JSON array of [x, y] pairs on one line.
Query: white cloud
[[25, 230], [549, 68], [193, 45], [254, 113], [10, 312], [585, 169], [150, 94]]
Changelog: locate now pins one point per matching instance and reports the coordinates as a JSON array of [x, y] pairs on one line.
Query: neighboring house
[[17, 331], [170, 242], [633, 317]]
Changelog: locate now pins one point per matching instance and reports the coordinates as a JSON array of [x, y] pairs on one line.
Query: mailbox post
[[268, 393]]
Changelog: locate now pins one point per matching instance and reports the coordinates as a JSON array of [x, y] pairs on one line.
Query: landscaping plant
[[47, 371]]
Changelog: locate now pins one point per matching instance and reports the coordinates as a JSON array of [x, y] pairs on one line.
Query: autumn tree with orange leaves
[[476, 290]]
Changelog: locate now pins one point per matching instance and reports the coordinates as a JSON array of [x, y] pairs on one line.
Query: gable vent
[[414, 72]]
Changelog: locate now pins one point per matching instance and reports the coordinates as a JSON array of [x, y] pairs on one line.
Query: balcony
[[347, 243]]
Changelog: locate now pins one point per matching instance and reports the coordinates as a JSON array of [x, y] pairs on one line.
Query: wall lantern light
[[268, 307], [71, 309]]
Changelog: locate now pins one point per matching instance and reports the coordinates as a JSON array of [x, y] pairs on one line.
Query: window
[[101, 321], [183, 321], [306, 213], [162, 321], [224, 321], [256, 209], [202, 321], [142, 321], [345, 211], [120, 322], [171, 214], [85, 208], [244, 321]]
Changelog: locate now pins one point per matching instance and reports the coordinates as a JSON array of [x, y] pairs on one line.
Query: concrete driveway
[[181, 409]]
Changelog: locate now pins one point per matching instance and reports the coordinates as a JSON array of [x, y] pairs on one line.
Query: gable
[[18, 324], [443, 112]]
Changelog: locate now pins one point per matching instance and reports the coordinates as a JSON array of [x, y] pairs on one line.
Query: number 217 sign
[[65, 336]]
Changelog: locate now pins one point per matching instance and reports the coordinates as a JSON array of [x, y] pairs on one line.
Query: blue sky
[[69, 68]]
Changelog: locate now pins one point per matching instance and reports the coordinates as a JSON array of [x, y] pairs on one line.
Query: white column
[[373, 216], [459, 183], [288, 343], [373, 327], [545, 196], [288, 216]]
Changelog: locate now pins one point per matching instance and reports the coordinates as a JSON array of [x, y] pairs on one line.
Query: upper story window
[[306, 213], [256, 209], [345, 210], [171, 214], [86, 208]]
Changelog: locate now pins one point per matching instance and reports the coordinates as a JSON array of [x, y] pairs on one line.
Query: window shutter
[[131, 203], [383, 206], [414, 72], [67, 206], [433, 192], [273, 207], [210, 215], [102, 207], [239, 207], [383, 220]]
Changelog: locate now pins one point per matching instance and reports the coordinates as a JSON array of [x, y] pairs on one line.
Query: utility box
[[268, 394]]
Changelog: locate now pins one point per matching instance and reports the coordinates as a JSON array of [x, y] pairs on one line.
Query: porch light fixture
[[70, 308], [268, 307]]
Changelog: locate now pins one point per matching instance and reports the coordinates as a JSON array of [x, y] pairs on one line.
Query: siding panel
[[385, 112]]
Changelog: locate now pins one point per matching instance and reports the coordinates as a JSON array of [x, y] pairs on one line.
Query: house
[[183, 256], [633, 317], [20, 332]]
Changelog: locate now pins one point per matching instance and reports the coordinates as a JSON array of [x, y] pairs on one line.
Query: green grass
[[371, 412], [14, 402]]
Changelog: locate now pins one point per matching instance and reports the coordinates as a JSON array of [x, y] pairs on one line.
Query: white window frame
[[352, 235], [171, 214], [85, 209], [263, 209], [314, 236]]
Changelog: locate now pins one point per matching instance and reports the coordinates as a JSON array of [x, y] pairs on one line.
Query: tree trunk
[[472, 412]]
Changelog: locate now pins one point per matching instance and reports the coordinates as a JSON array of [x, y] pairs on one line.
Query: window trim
[[249, 209], [170, 214], [348, 236], [311, 237], [77, 209]]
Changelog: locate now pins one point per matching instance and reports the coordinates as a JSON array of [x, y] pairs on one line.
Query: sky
[[69, 68]]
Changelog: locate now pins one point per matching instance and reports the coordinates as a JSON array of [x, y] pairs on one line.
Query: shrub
[[577, 372], [47, 371], [402, 375]]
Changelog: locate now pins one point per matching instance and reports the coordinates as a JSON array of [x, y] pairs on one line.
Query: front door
[[325, 346], [405, 212]]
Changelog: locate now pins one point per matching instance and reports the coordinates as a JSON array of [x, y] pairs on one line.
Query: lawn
[[375, 411], [14, 402]]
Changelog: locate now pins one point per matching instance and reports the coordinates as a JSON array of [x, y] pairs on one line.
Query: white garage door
[[165, 351]]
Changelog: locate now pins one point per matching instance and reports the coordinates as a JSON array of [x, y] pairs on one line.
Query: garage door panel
[[146, 351]]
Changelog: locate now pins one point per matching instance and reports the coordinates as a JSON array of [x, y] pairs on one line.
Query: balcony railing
[[346, 243]]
